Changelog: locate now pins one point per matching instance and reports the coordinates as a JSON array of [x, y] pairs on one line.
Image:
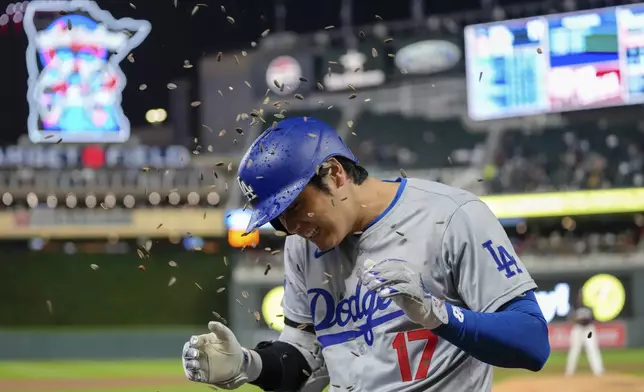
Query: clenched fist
[[217, 358]]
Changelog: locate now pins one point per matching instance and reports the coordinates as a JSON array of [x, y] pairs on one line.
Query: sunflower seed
[[230, 19], [93, 266], [172, 281], [172, 263], [218, 317], [221, 290]]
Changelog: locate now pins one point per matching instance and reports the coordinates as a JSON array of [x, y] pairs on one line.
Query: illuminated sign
[[554, 303], [237, 222], [428, 57], [354, 74], [272, 309], [100, 224], [286, 72], [75, 82], [239, 239], [94, 156], [605, 295]]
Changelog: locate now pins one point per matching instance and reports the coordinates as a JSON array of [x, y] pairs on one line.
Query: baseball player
[[584, 335], [403, 285]]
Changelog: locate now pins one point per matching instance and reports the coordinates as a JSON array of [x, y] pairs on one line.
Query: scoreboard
[[555, 63]]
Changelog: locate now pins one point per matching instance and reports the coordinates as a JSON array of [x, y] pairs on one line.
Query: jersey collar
[[401, 188]]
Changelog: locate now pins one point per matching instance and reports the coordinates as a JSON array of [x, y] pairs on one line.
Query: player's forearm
[[516, 337]]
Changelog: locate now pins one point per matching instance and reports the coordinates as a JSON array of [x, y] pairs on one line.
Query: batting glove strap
[[436, 312], [250, 368]]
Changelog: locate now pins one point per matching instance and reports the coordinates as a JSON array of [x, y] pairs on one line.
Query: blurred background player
[[583, 335]]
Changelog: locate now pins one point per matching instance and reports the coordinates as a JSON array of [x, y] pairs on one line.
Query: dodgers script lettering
[[353, 308]]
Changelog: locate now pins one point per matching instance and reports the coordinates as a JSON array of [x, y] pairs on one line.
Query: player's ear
[[337, 175]]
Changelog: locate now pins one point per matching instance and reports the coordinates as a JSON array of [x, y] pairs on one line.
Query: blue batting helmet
[[282, 161]]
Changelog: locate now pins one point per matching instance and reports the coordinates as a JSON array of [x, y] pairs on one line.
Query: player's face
[[322, 217]]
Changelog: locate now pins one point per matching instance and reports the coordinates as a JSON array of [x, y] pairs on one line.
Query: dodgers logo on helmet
[[359, 307], [247, 190]]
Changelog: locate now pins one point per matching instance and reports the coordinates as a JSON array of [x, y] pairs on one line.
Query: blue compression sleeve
[[516, 336]]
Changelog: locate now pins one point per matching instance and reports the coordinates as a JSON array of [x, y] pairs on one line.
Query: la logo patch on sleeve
[[75, 81]]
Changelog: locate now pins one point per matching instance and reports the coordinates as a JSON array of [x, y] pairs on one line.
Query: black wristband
[[284, 368]]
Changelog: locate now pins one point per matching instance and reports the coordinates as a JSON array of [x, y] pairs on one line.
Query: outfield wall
[[162, 344], [54, 306]]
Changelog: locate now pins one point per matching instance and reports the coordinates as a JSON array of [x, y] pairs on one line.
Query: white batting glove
[[402, 282], [216, 358]]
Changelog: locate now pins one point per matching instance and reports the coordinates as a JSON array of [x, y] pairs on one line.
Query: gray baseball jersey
[[368, 342]]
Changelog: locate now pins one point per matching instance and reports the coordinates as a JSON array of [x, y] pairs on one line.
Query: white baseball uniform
[[368, 343], [584, 335]]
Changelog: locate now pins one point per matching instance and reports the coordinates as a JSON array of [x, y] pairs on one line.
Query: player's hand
[[216, 358], [402, 282]]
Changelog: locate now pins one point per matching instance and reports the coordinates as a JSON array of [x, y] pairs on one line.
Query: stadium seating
[[396, 141], [578, 157]]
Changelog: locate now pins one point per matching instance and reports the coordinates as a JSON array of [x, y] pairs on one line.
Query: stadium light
[[156, 116]]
